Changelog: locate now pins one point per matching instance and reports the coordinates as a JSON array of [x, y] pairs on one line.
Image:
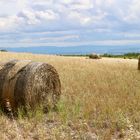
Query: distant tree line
[[3, 50], [125, 56]]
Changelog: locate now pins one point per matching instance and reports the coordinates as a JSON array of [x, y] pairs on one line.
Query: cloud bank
[[69, 22]]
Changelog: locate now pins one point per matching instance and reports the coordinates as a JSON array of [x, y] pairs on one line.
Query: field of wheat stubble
[[100, 100]]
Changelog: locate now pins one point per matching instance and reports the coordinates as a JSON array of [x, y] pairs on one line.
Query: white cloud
[[81, 5], [60, 38], [36, 17], [9, 23], [47, 15], [76, 16], [99, 16], [29, 17], [86, 19], [133, 13], [49, 39]]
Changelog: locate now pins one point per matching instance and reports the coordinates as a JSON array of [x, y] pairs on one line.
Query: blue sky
[[25, 23]]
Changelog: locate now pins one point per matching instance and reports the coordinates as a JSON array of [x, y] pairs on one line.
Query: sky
[[25, 23]]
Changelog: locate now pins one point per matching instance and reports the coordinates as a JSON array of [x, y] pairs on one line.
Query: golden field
[[100, 100]]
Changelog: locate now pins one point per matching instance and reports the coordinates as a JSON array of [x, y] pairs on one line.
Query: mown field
[[100, 100]]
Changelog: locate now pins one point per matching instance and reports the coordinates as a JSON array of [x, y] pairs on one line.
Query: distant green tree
[[3, 50]]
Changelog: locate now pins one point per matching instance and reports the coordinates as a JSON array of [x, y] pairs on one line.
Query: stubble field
[[100, 100]]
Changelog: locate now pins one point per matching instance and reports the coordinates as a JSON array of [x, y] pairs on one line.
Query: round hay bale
[[94, 56], [1, 65], [28, 84]]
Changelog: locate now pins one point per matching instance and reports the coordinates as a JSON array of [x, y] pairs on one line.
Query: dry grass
[[100, 100]]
